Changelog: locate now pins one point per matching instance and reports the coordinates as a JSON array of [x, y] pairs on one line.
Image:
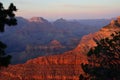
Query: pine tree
[[6, 17], [103, 60]]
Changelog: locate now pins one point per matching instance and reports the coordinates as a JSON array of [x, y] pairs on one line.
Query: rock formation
[[38, 19], [59, 67], [115, 23], [118, 19]]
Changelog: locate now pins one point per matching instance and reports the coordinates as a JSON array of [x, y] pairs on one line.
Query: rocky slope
[[88, 41], [59, 67]]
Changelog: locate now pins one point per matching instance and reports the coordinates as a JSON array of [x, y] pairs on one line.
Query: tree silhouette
[[103, 60], [6, 17]]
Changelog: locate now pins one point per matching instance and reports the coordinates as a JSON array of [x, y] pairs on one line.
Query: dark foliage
[[103, 60], [6, 17]]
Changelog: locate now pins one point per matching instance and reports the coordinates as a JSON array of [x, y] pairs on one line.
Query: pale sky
[[68, 9]]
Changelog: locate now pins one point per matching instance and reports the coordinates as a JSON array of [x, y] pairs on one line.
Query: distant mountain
[[38, 20], [62, 66], [38, 31], [60, 20]]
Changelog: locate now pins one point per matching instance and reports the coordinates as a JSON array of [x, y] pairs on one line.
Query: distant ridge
[[61, 20]]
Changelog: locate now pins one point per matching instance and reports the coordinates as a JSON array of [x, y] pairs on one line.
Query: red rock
[[118, 19], [57, 67]]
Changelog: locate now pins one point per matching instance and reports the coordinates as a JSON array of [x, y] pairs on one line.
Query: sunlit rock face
[[38, 19], [118, 19], [89, 40], [115, 23], [66, 66], [112, 23]]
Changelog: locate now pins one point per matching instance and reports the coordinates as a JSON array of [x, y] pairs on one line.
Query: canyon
[[65, 66], [32, 38]]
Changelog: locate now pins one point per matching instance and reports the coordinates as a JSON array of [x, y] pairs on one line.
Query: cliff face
[[58, 67], [89, 40]]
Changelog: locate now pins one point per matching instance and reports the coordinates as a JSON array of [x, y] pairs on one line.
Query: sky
[[68, 9]]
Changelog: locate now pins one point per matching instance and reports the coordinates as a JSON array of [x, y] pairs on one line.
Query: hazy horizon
[[67, 9], [74, 19]]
